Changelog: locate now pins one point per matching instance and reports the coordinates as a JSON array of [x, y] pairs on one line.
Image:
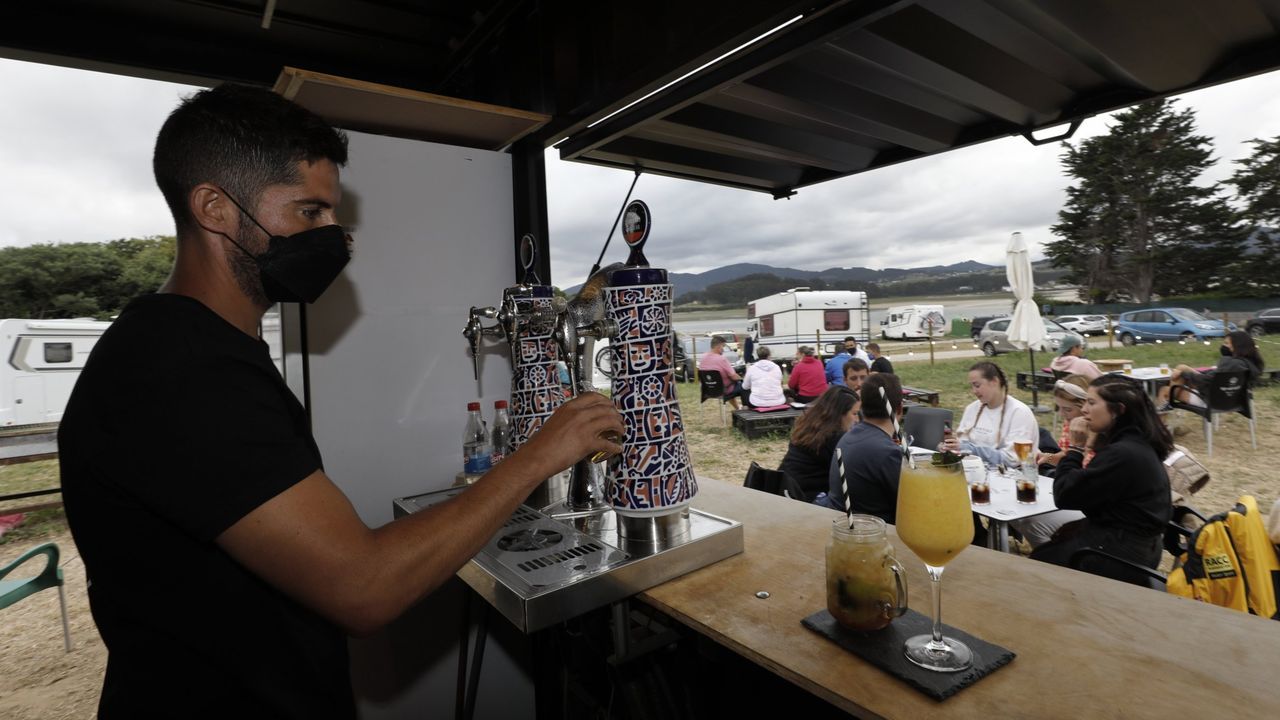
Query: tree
[[1135, 222], [1257, 186], [81, 279]]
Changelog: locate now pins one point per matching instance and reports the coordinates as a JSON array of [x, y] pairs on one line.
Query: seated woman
[[814, 438], [1071, 359], [1070, 394], [1239, 352], [995, 421], [1124, 493], [762, 383], [808, 379]]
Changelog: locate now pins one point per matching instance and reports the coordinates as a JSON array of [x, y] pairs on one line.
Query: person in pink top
[[808, 377], [714, 359], [1071, 359]]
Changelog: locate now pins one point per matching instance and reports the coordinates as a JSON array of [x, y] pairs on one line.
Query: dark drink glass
[[980, 493], [1027, 492]]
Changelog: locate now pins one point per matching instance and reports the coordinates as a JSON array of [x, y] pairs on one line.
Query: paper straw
[[844, 487], [911, 461]]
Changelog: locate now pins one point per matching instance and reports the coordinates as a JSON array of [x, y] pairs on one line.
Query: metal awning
[[849, 86], [861, 85]]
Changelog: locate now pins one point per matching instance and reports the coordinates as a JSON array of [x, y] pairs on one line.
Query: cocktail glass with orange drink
[[935, 521]]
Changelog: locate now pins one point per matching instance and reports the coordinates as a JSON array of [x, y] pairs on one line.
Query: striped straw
[[844, 487], [888, 406]]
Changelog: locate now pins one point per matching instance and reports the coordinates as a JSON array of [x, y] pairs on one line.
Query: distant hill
[[686, 283]]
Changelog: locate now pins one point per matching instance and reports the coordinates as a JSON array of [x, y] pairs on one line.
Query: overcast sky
[[75, 165]]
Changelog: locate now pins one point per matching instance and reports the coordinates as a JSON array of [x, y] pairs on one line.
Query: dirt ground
[[38, 680]]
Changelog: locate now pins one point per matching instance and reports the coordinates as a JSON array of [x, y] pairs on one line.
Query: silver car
[[994, 338], [1084, 324]]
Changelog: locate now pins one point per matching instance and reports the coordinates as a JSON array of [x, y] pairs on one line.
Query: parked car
[[976, 324], [1084, 324], [731, 340], [994, 338], [1166, 324], [1266, 321]]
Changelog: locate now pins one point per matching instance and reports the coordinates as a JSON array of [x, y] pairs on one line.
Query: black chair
[[713, 388], [1097, 562], [1225, 392], [924, 425], [1177, 536], [774, 482]]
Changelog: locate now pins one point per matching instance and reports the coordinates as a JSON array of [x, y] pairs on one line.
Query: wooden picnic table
[[1113, 364], [1086, 646], [922, 395]]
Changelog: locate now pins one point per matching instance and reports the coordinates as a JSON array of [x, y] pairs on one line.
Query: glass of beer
[[935, 521], [1022, 450]]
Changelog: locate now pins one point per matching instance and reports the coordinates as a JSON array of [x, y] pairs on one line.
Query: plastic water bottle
[[501, 432], [476, 451]]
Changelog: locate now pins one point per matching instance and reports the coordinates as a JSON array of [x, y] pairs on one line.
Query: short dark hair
[[851, 339], [717, 341], [874, 347], [854, 364], [242, 139], [763, 352], [872, 406]]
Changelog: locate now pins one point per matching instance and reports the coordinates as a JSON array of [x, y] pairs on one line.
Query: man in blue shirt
[[872, 460]]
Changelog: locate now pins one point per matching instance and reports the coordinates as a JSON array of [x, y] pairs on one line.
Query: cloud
[[75, 165]]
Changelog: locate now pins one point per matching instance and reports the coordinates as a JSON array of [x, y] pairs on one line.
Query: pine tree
[[1135, 223], [1257, 186]]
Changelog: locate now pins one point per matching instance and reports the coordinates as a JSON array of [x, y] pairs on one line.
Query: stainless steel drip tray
[[539, 570]]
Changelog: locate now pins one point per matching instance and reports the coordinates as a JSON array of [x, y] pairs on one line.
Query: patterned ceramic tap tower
[[654, 475], [535, 381]]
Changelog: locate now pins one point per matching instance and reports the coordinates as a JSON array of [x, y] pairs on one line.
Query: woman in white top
[[764, 381], [995, 421]]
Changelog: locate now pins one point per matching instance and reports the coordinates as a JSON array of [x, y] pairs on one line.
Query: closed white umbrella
[[1026, 327]]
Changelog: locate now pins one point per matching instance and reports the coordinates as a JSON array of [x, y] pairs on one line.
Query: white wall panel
[[391, 376]]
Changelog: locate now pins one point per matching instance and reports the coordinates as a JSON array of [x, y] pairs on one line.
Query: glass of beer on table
[[935, 521]]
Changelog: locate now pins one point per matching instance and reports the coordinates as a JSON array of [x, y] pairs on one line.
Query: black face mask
[[1224, 351], [300, 267]]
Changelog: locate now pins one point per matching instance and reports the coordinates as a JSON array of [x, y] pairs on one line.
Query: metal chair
[[1226, 392], [712, 383], [924, 425], [12, 591], [774, 482]]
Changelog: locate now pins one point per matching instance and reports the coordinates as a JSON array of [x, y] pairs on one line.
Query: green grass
[[26, 477]]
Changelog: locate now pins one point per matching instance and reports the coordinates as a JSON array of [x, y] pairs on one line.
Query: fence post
[[818, 349], [1111, 333], [1224, 323], [929, 335]]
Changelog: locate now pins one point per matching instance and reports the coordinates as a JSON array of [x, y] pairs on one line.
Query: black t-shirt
[[178, 427], [882, 365], [810, 469]]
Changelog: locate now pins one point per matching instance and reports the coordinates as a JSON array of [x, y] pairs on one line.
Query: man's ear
[[212, 211]]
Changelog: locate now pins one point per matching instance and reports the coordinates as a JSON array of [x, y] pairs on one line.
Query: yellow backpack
[[1231, 562]]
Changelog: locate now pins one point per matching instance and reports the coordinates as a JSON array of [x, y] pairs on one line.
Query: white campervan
[[914, 321], [800, 316], [45, 358]]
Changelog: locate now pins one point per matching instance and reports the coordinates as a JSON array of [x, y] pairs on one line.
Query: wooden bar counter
[[1087, 647]]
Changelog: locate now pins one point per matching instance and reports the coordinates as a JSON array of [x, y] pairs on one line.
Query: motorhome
[[904, 322], [45, 358], [800, 316]]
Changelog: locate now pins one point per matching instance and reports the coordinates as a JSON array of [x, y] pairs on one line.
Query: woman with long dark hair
[[1239, 353], [1124, 493], [814, 438]]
